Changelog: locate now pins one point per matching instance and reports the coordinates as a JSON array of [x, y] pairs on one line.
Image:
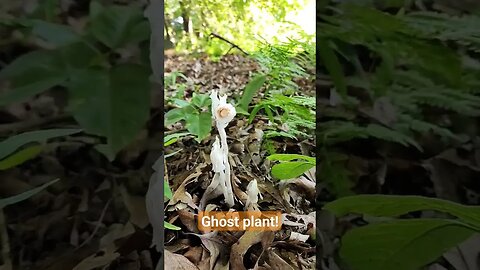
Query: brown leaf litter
[[190, 172]]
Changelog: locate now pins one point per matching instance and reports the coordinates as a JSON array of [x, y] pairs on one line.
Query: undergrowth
[[396, 77], [401, 80]]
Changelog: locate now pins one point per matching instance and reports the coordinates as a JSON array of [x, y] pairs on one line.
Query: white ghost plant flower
[[253, 194], [222, 113]]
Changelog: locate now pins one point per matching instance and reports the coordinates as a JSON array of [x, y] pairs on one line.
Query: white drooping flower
[[222, 113]]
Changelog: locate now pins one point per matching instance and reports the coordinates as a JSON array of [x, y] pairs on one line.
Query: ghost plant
[[222, 113], [253, 194]]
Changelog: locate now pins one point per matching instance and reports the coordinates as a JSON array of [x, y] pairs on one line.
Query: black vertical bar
[[319, 7]]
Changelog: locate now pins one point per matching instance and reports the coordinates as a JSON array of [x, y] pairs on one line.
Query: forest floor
[[95, 216], [189, 172]]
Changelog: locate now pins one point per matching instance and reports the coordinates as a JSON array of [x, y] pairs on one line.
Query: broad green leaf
[[20, 157], [78, 56], [139, 32], [40, 60], [332, 64], [114, 104], [290, 157], [30, 74], [201, 100], [25, 195], [289, 170], [393, 206], [171, 226], [181, 103], [56, 34], [28, 88], [167, 192], [250, 89], [199, 125], [113, 25], [401, 244], [11, 144], [38, 71], [174, 115]]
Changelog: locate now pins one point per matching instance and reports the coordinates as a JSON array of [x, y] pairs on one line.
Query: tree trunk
[[185, 16]]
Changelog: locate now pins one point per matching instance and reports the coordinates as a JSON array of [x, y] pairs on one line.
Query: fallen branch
[[229, 42]]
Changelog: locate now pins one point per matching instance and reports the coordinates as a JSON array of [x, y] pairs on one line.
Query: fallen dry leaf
[[277, 262], [105, 258], [177, 262], [248, 239], [136, 207]]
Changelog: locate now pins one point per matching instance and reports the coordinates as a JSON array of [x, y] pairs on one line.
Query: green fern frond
[[337, 131], [408, 123]]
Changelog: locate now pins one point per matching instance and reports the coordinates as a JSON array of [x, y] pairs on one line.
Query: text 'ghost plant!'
[[222, 113]]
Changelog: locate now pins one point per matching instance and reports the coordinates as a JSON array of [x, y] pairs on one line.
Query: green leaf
[[289, 170], [56, 34], [167, 192], [171, 226], [290, 157], [25, 195], [401, 244], [271, 134], [201, 100], [174, 115], [114, 104], [11, 144], [28, 88], [254, 112], [181, 103], [139, 32], [114, 25], [199, 125], [30, 74], [250, 89], [393, 206], [78, 56], [20, 157], [38, 71], [172, 138], [269, 113]]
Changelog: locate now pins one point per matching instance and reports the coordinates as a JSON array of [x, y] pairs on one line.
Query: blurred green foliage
[[188, 24], [109, 88]]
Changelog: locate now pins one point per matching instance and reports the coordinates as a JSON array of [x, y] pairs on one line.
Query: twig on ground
[[99, 222]]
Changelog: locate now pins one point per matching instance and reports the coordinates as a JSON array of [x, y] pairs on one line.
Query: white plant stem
[[228, 192], [222, 113]]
